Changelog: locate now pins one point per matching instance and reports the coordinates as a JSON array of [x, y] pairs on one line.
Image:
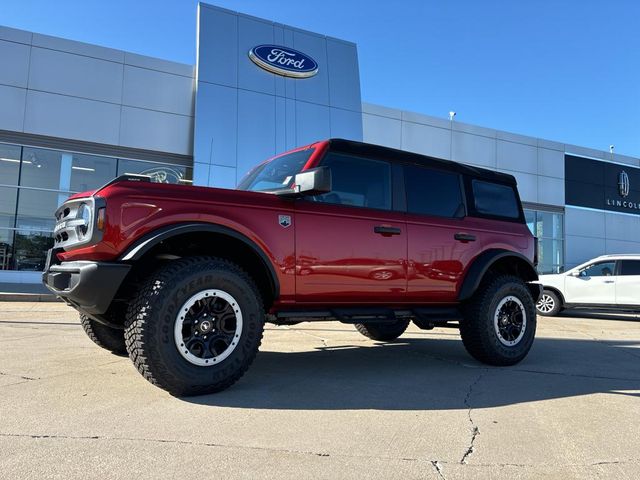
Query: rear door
[[351, 246], [628, 282], [442, 240], [594, 284]]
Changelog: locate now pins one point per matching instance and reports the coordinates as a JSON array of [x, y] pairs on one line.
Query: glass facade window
[[548, 227], [159, 172], [6, 249], [35, 181], [9, 164]]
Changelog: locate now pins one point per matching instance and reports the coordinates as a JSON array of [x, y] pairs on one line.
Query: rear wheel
[[195, 326], [549, 304], [499, 322], [384, 332], [111, 339]]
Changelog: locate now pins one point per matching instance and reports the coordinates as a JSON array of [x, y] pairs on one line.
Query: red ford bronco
[[183, 278]]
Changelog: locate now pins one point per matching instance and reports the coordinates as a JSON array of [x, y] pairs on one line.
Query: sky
[[564, 70]]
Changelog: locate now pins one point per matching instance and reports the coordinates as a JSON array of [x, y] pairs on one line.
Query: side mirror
[[310, 182], [575, 273]]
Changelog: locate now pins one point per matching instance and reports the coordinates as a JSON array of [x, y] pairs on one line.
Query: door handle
[[464, 237], [387, 231], [608, 281]]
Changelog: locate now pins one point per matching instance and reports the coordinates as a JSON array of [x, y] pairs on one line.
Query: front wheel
[[195, 326], [549, 304], [499, 322]]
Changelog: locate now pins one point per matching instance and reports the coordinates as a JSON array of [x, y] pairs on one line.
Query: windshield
[[277, 173]]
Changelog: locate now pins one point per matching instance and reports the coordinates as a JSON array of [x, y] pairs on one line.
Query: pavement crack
[[475, 431], [23, 377], [438, 468]]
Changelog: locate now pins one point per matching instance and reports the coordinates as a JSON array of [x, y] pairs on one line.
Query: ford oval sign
[[284, 61]]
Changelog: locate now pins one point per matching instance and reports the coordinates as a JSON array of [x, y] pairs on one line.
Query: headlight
[[84, 214]]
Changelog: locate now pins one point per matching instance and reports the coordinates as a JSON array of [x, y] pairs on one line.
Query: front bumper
[[88, 286]]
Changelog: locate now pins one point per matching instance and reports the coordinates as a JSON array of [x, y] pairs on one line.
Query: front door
[[350, 245], [595, 284]]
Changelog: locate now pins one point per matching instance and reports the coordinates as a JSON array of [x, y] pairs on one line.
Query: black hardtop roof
[[394, 155]]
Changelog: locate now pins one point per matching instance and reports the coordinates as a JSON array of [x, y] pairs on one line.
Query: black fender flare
[[483, 263], [147, 242]]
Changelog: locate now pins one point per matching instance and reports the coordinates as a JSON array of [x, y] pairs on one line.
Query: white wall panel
[[153, 130], [622, 227], [426, 140], [217, 130], [581, 249], [382, 130], [221, 66], [550, 163], [155, 90], [15, 64], [79, 48], [313, 123], [474, 149], [586, 223], [253, 32], [15, 35], [12, 102], [314, 89], [621, 246], [527, 185], [346, 124], [222, 177], [344, 80], [256, 129], [551, 191], [381, 111], [75, 75], [70, 117], [159, 64], [517, 156]]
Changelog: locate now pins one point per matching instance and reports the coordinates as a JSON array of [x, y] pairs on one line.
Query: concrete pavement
[[322, 401]]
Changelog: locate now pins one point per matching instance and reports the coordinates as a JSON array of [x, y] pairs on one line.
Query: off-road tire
[[477, 328], [151, 317], [111, 339], [557, 304], [383, 332]]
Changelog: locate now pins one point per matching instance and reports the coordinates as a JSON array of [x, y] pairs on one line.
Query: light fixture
[[84, 169], [451, 115]]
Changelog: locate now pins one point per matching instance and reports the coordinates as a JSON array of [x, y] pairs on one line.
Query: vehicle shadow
[[430, 374]]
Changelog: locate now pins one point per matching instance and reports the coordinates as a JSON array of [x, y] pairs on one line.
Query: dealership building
[[74, 115]]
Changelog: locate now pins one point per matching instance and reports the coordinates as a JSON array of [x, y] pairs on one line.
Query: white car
[[609, 282]]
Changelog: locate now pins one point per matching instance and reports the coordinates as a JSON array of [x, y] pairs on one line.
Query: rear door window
[[495, 199], [630, 267], [433, 192]]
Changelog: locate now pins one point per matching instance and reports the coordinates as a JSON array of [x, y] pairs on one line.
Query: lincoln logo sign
[[283, 61], [623, 184]]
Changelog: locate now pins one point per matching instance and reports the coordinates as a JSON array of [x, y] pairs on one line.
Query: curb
[[28, 297]]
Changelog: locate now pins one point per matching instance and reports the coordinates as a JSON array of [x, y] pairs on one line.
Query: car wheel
[[383, 332], [549, 304], [195, 326], [111, 339], [499, 322]]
